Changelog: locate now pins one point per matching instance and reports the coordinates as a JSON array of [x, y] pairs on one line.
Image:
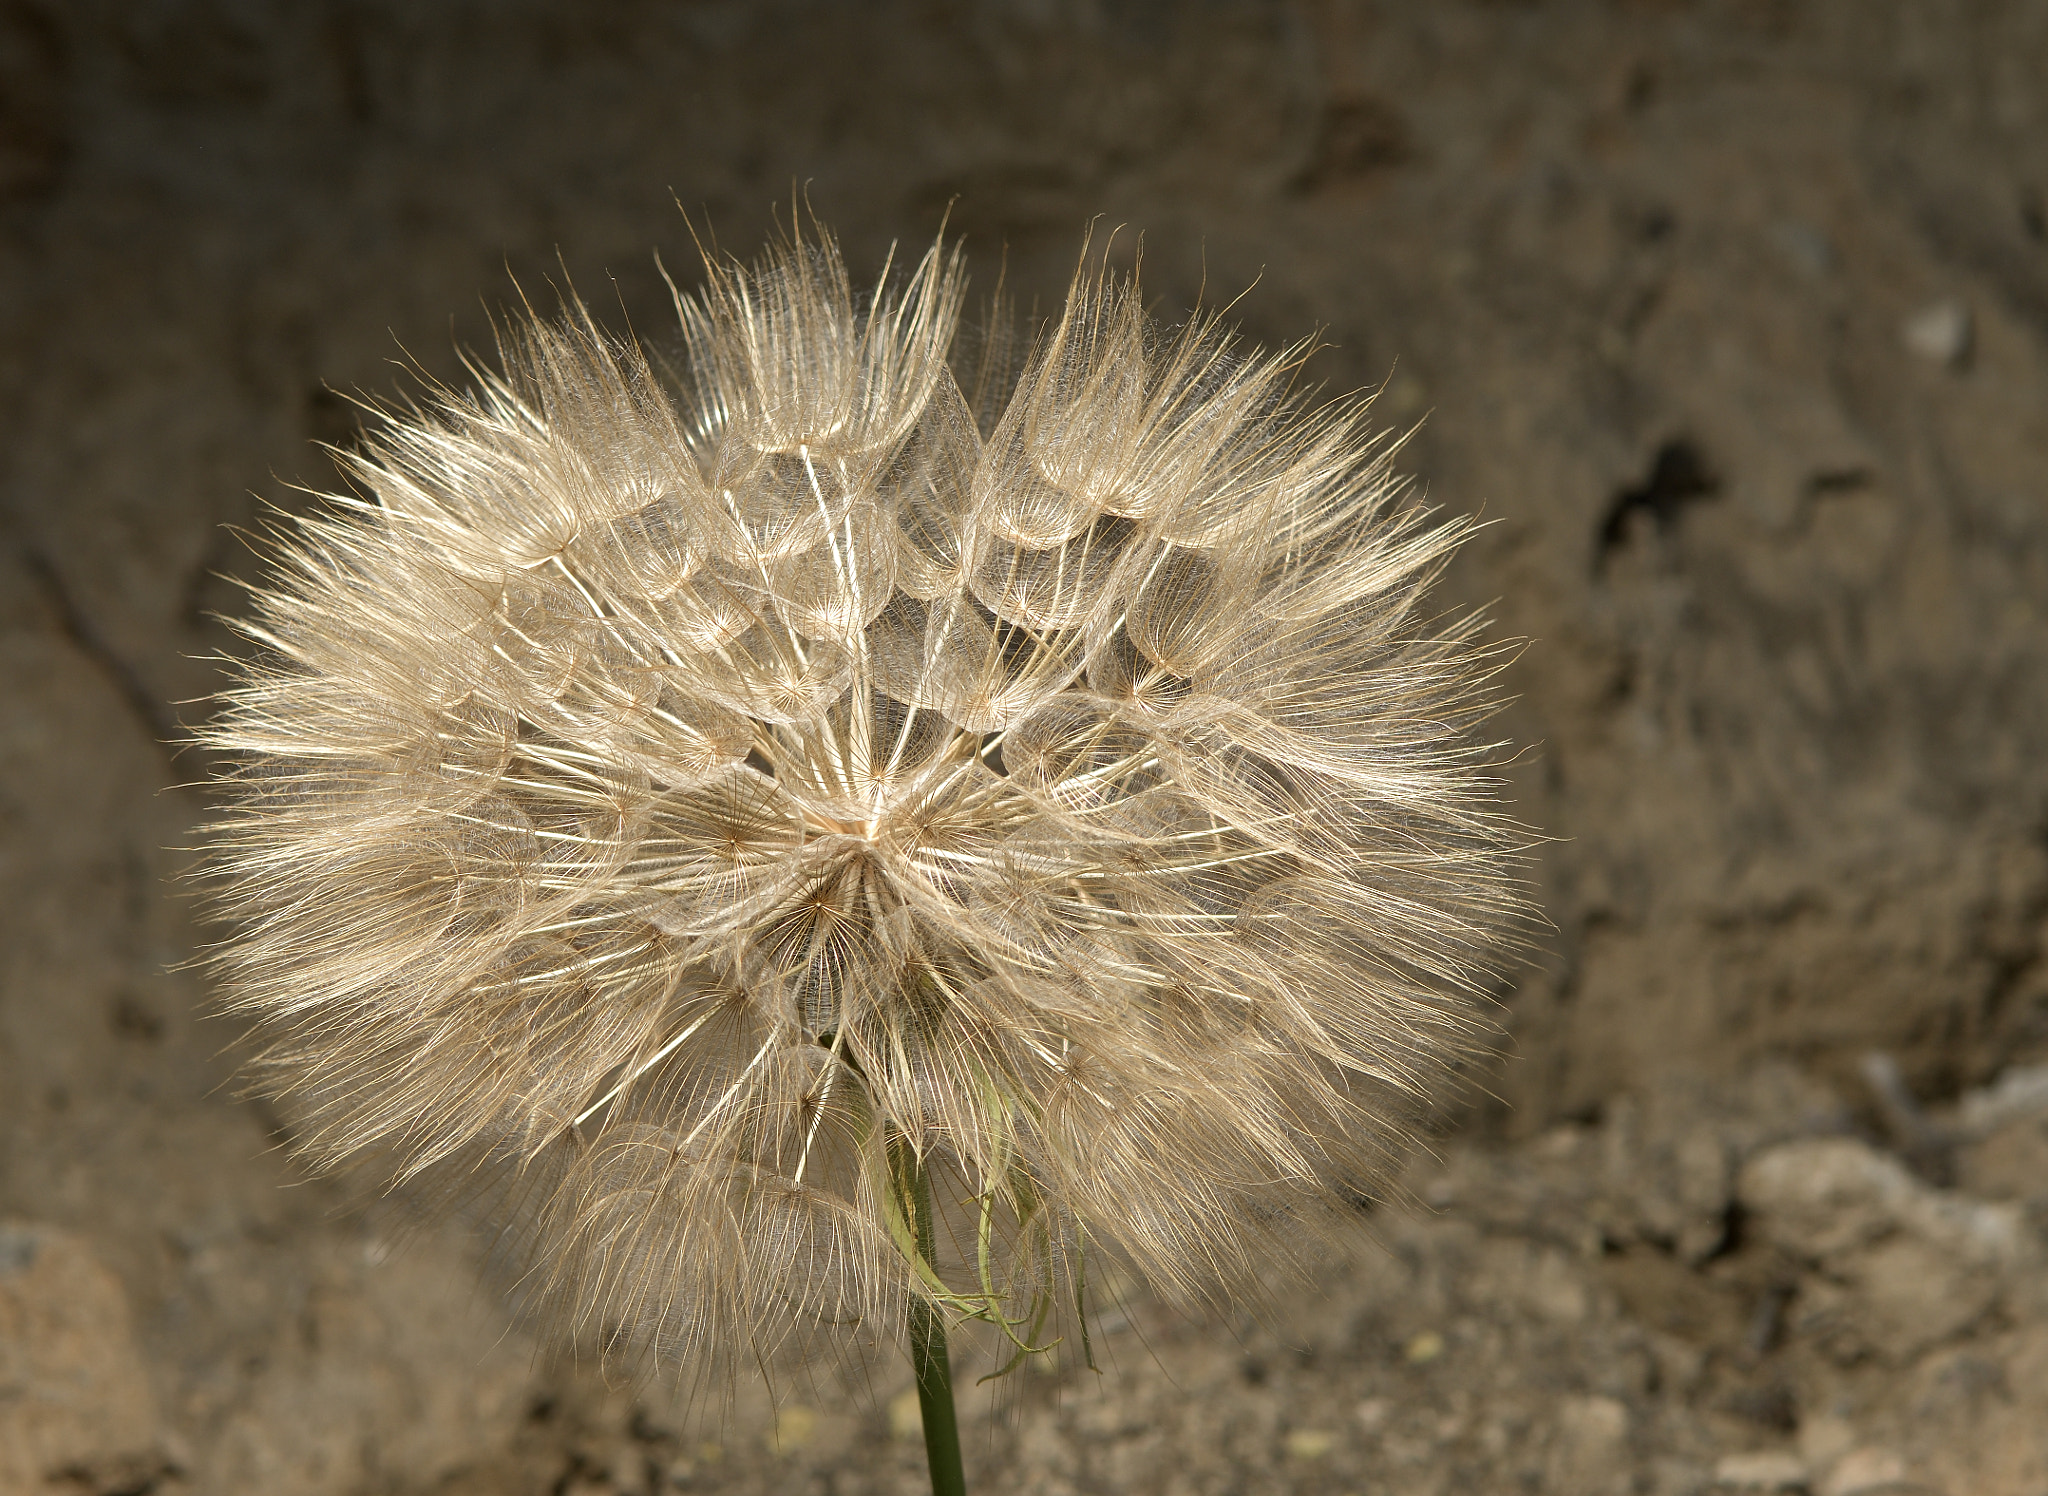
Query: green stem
[[935, 1399], [928, 1357]]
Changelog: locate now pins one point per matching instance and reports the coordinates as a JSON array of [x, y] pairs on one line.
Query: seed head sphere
[[679, 786]]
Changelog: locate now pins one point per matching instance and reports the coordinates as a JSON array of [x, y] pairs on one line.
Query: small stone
[[2019, 1094], [1939, 333], [1309, 1443], [1912, 1296], [1550, 1285], [1864, 1471], [1823, 1198], [1905, 1266], [1820, 1197], [1424, 1348], [1761, 1470], [1590, 1453]]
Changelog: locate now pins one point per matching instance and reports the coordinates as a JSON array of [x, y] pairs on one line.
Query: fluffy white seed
[[665, 790]]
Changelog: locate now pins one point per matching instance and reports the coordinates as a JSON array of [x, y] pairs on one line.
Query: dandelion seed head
[[663, 784]]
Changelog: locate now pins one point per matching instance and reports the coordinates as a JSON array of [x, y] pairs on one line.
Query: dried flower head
[[693, 792]]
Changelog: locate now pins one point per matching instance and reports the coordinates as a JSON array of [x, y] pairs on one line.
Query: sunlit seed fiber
[[667, 784]]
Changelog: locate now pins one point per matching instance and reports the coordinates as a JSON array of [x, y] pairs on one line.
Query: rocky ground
[[1726, 1288], [1732, 315]]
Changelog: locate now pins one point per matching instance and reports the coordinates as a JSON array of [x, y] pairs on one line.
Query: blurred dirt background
[[1731, 315]]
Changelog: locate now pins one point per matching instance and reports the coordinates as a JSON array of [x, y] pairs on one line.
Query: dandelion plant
[[859, 834]]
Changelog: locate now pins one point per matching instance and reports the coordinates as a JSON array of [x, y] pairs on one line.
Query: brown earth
[[1732, 316]]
